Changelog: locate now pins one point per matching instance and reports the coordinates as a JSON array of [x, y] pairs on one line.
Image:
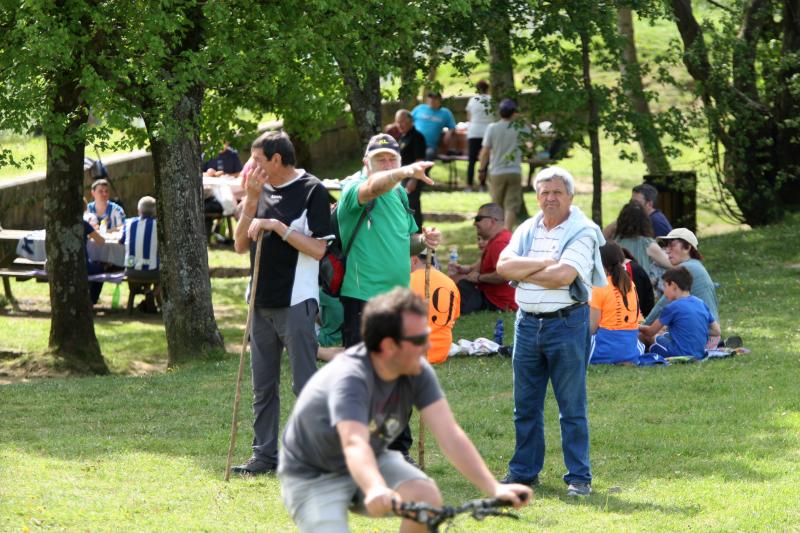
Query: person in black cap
[[379, 258]]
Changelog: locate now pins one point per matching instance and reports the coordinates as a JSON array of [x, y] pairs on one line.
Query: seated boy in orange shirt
[[444, 306]]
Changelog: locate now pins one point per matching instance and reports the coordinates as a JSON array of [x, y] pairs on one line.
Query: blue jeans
[[556, 349]]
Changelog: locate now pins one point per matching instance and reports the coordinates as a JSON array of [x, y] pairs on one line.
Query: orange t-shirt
[[613, 314], [443, 310]]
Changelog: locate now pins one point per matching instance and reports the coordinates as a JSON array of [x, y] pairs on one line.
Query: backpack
[[333, 265]]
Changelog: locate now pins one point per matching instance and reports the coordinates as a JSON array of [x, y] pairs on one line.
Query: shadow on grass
[[606, 502]]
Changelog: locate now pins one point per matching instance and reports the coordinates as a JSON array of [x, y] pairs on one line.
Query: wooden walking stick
[[421, 444], [248, 323]]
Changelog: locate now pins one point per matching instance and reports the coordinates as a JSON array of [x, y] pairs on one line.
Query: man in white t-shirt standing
[[479, 115], [502, 156]]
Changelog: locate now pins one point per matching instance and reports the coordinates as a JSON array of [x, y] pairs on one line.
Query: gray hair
[[147, 206], [405, 113], [555, 173], [493, 210]]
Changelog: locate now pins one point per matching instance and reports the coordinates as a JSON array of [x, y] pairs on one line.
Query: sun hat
[[680, 233]]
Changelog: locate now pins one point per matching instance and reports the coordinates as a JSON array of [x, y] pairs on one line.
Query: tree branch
[[724, 8]]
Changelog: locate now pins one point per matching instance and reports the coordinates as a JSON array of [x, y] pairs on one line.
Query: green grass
[[710, 446]]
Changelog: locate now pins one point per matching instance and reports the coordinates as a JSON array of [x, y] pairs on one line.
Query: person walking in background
[[502, 158], [555, 259], [479, 115]]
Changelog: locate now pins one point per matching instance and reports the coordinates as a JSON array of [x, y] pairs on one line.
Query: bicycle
[[433, 517]]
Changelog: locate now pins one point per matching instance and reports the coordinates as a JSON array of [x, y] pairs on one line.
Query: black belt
[[564, 311]]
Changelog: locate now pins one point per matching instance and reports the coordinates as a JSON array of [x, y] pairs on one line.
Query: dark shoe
[[734, 341], [528, 483], [410, 460], [579, 489], [254, 467]]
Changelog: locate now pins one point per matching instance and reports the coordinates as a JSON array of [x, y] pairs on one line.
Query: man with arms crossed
[[334, 455], [291, 207], [555, 259]]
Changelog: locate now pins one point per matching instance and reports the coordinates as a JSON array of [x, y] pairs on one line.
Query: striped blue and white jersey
[[141, 243], [114, 215]]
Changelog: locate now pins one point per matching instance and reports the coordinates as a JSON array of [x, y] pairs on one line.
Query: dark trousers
[[415, 201], [474, 150], [351, 335], [95, 287], [472, 299], [351, 327]]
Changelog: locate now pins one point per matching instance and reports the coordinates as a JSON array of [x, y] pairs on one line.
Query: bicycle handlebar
[[434, 516]]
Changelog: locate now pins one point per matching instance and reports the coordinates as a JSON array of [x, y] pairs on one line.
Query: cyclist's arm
[[460, 451], [363, 466]]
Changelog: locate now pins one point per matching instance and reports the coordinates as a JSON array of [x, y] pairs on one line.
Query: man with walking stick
[[379, 257], [290, 208]]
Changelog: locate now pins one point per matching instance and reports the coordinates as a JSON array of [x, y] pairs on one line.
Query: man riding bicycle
[[334, 455]]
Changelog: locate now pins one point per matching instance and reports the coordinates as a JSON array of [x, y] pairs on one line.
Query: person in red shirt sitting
[[480, 286]]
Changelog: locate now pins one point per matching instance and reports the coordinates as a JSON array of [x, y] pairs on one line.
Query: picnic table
[[23, 256], [31, 246]]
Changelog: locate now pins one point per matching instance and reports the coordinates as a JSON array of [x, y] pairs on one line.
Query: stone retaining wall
[[132, 173]]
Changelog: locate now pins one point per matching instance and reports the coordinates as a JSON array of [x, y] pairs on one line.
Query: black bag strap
[[361, 219], [364, 214]]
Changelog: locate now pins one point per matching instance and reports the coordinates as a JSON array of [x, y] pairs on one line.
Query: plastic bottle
[[115, 297], [103, 227], [498, 332], [453, 255]]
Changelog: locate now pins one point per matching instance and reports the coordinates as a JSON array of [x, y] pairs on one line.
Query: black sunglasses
[[416, 340], [478, 218]]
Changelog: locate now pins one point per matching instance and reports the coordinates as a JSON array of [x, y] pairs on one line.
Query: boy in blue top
[[687, 317]]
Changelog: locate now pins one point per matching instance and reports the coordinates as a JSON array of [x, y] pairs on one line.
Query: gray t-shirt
[[502, 139], [347, 388]]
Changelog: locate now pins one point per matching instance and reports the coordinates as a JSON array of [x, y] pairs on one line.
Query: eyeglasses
[[417, 340], [478, 218]]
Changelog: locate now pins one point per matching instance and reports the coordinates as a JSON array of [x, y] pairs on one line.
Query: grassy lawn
[[710, 446]]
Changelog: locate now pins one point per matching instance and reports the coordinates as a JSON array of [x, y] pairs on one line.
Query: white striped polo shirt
[[579, 254]]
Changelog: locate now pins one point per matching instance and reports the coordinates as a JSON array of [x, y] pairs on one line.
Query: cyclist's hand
[[515, 493], [378, 501]]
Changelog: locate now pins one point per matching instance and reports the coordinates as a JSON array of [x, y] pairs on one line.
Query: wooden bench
[[21, 270]]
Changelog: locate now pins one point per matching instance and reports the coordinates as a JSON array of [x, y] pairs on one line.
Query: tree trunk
[[593, 127], [364, 97], [72, 336], [788, 107], [408, 93], [754, 169], [646, 134], [501, 58], [188, 314]]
